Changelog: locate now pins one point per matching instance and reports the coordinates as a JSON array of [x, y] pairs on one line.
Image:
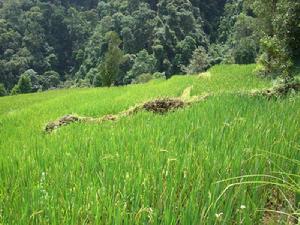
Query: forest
[[60, 44]]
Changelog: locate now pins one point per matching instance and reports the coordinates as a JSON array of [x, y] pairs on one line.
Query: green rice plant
[[147, 168], [283, 181]]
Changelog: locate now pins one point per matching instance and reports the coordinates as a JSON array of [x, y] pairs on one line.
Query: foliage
[[265, 31], [24, 85], [50, 79], [15, 90], [238, 32], [2, 90], [272, 57], [68, 37], [109, 68], [93, 76], [199, 62], [40, 36], [83, 83], [158, 75], [97, 81], [143, 64], [143, 78], [232, 10], [146, 77], [36, 80], [279, 21], [246, 41]]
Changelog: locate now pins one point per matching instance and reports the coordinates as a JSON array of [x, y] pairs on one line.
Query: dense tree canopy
[[58, 41], [266, 31]]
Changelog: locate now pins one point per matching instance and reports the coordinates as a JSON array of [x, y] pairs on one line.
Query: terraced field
[[149, 168]]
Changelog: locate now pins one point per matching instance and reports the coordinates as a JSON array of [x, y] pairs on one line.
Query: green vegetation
[[222, 160], [109, 68], [2, 90], [69, 39], [147, 168], [23, 86], [199, 62]]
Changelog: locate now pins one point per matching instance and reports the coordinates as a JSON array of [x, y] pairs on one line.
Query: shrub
[[23, 86], [83, 83], [198, 63], [110, 66], [125, 66], [143, 78], [50, 80], [91, 75], [275, 59], [15, 90], [35, 79], [68, 84], [158, 75], [97, 81], [143, 64], [146, 77], [2, 90], [245, 52]]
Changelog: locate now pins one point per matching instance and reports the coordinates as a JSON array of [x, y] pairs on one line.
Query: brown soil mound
[[65, 120], [163, 105]]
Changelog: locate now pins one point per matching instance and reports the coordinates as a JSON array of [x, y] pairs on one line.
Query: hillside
[[148, 168], [46, 45]]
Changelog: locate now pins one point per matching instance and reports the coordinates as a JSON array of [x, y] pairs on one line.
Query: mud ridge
[[158, 106]]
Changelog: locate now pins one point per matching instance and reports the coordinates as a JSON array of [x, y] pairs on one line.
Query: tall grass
[[144, 169]]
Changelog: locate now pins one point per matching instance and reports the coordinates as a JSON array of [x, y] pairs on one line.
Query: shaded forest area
[[52, 44]]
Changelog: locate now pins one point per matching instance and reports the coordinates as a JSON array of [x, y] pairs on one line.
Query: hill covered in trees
[[50, 44]]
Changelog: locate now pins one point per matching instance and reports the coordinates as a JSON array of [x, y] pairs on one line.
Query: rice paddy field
[[148, 168]]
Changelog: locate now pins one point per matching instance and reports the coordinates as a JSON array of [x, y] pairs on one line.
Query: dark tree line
[[50, 44]]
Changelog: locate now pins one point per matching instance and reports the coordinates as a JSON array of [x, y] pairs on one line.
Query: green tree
[[97, 81], [50, 79], [232, 10], [144, 63], [35, 39], [109, 68], [126, 65], [15, 90], [24, 85], [238, 34], [184, 51], [35, 78], [279, 20], [3, 91], [12, 59], [245, 51], [245, 40], [69, 36], [199, 62]]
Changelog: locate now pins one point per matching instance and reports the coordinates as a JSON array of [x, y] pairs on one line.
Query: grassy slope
[[145, 168]]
